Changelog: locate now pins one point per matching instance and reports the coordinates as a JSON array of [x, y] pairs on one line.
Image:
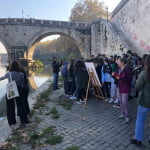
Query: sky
[[42, 9]]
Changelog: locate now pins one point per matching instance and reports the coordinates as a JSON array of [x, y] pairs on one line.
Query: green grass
[[72, 148], [53, 140], [37, 119], [49, 130], [54, 110], [66, 104], [55, 116], [61, 78]]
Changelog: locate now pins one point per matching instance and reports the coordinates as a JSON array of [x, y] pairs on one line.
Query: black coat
[[55, 66]]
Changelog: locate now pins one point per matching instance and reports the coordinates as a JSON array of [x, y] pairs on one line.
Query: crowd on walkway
[[120, 76]]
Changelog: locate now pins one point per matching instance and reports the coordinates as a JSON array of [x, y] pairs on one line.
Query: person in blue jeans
[[56, 65], [143, 86]]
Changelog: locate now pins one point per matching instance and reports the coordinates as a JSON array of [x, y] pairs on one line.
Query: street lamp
[[107, 13]]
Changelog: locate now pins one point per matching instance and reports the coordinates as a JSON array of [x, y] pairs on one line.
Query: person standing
[[106, 78], [18, 76], [81, 79], [143, 86], [55, 66], [124, 84]]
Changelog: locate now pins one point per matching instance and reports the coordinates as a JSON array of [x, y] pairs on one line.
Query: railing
[[44, 23]]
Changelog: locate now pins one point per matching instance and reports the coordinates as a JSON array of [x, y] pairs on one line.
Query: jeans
[[123, 98], [113, 89], [55, 81], [140, 121]]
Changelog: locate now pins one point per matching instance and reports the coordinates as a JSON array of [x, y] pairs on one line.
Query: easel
[[97, 88]]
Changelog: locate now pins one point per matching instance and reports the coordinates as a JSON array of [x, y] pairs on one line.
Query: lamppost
[[107, 13]]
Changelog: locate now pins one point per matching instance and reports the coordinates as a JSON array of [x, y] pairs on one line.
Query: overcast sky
[[42, 9]]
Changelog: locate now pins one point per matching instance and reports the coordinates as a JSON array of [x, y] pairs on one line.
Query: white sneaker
[[127, 120], [111, 100], [78, 102], [116, 101], [121, 116], [73, 98], [81, 101]]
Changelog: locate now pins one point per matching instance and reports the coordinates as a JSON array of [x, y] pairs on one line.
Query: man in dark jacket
[[56, 65]]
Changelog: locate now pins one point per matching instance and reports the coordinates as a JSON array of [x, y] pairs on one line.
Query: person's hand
[[117, 77], [113, 74]]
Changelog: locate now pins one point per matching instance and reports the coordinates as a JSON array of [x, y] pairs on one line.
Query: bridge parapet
[[44, 23]]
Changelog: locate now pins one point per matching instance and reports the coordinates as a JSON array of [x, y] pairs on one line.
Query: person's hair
[[147, 66], [71, 63], [15, 66], [123, 60], [79, 65]]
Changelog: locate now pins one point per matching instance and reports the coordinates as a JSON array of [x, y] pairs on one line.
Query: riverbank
[[5, 130]]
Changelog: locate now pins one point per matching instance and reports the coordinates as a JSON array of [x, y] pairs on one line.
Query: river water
[[35, 78]]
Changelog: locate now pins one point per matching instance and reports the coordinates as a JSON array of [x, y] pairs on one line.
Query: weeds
[[72, 148], [66, 104], [53, 140]]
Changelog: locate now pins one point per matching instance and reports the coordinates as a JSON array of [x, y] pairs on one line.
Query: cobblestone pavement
[[96, 128]]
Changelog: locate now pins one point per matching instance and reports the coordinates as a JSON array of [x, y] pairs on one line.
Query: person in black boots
[[56, 65]]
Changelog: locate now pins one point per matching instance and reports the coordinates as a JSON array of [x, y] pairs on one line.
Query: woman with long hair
[[81, 79], [143, 86], [124, 84], [18, 76]]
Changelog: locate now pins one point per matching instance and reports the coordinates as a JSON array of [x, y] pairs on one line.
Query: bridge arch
[[42, 34]]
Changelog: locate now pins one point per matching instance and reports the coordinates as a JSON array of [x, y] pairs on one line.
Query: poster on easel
[[90, 66]]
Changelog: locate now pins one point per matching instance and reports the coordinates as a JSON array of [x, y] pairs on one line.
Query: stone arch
[[42, 34]]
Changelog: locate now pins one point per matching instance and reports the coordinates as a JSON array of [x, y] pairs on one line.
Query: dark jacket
[[143, 86], [81, 78], [55, 66], [64, 71], [124, 82]]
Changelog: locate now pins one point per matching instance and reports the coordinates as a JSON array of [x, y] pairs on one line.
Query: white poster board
[[90, 66]]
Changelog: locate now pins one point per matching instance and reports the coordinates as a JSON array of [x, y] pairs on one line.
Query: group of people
[[123, 78], [17, 73]]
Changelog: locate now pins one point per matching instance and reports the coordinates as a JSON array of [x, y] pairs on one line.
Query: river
[[35, 78]]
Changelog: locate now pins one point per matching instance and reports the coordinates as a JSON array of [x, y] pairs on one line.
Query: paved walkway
[[96, 128]]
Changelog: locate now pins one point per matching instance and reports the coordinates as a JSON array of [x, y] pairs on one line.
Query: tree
[[88, 10]]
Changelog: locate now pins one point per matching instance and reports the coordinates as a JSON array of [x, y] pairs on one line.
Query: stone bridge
[[19, 35]]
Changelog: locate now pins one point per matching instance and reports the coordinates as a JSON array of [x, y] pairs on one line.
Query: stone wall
[[106, 39], [132, 17]]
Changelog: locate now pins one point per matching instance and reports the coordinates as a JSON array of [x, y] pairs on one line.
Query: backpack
[[106, 69], [64, 71]]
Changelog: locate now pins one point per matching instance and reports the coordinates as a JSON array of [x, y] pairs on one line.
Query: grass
[[37, 119], [49, 130], [53, 140], [42, 98], [55, 116], [54, 110], [72, 148], [61, 78], [66, 104]]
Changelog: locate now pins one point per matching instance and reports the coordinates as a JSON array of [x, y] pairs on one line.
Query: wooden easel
[[97, 88]]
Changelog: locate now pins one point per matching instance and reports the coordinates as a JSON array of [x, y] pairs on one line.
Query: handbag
[[11, 89]]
